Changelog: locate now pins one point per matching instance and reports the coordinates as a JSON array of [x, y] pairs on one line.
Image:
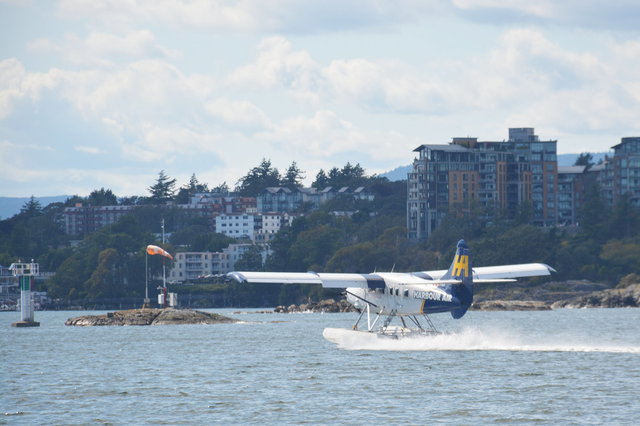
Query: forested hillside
[[108, 265]]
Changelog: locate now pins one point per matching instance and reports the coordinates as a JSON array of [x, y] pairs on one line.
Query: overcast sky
[[98, 93]]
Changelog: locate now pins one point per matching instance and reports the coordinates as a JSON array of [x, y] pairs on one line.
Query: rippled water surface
[[564, 366]]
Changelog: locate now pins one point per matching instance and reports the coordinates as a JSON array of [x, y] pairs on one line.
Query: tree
[[102, 197], [31, 208], [193, 187], [313, 248], [251, 260], [623, 257], [131, 201], [163, 190], [199, 238], [584, 159], [258, 179], [322, 181], [293, 177], [592, 214], [347, 176], [624, 220], [222, 189], [104, 279]]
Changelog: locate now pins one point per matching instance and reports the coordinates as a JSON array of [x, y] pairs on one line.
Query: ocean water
[[560, 367]]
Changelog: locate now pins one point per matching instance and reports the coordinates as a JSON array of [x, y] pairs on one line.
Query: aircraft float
[[407, 296]]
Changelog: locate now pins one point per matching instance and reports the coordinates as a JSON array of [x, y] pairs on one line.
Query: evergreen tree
[[293, 177], [258, 179], [584, 159], [163, 190], [322, 181], [222, 189], [31, 208], [102, 197], [193, 187]]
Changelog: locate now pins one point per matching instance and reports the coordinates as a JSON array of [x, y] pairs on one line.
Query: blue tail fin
[[461, 269]]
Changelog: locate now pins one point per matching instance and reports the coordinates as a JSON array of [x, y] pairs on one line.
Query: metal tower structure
[[26, 273]]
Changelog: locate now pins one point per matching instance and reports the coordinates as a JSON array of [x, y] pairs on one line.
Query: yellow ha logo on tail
[[460, 266]]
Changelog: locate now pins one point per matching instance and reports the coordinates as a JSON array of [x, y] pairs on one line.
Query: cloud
[[252, 16], [325, 133], [243, 114], [387, 86], [563, 88], [17, 83], [89, 149], [311, 17], [277, 65], [103, 49], [615, 15], [376, 86]]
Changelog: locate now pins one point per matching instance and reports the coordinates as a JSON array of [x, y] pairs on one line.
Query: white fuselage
[[403, 299]]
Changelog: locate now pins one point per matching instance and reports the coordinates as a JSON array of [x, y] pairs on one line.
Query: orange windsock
[[158, 250]]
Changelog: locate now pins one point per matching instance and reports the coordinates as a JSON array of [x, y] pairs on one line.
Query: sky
[[107, 93]]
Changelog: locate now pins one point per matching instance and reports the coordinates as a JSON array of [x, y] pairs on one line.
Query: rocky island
[[625, 297], [150, 317]]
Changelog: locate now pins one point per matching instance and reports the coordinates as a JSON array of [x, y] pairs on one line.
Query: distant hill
[[400, 173], [10, 206]]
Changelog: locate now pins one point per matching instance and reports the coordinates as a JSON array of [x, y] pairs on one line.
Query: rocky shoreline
[[327, 305], [150, 317], [627, 297], [556, 295], [511, 305], [552, 295]]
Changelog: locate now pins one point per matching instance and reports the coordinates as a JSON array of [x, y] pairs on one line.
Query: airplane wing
[[333, 280], [327, 280], [485, 274]]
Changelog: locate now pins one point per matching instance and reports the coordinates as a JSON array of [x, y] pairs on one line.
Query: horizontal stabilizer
[[503, 271]]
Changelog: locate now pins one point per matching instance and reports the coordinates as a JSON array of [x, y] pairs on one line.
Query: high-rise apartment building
[[520, 173], [620, 175]]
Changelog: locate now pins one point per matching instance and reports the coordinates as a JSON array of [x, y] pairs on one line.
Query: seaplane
[[408, 296]]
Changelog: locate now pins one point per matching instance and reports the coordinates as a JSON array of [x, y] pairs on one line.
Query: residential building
[[279, 199], [620, 176], [267, 225], [83, 220], [571, 184], [236, 225], [189, 266], [218, 203], [516, 174], [286, 200], [252, 226], [616, 177]]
